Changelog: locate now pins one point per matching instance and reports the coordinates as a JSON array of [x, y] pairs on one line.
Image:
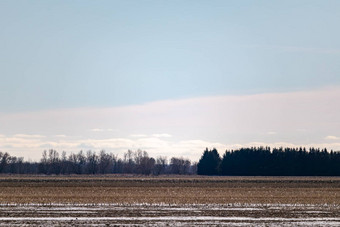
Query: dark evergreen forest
[[264, 161]]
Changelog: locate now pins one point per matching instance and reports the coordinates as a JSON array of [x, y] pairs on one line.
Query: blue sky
[[60, 56]]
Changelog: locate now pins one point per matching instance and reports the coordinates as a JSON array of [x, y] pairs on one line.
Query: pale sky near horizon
[[168, 77]]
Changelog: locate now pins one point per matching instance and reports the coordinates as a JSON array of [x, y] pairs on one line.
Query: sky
[[168, 77]]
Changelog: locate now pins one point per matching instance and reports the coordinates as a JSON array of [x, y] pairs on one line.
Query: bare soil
[[169, 189], [112, 200]]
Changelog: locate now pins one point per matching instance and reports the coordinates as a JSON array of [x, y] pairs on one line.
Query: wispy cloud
[[180, 127], [191, 149], [138, 135], [28, 136], [332, 138], [101, 130], [162, 135], [271, 133]]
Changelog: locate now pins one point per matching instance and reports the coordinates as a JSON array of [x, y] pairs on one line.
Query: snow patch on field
[[170, 214], [167, 218]]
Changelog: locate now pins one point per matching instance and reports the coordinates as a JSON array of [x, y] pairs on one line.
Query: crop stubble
[[116, 189]]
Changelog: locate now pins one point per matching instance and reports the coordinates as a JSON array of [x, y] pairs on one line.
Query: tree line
[[254, 161], [133, 162], [264, 161]]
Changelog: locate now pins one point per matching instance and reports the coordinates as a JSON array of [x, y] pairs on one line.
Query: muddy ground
[[169, 200]]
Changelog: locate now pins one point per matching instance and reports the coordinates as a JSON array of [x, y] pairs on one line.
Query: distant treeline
[[254, 161], [134, 162], [262, 161]]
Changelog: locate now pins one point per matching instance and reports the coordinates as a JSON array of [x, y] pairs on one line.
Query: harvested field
[[180, 200], [169, 190]]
